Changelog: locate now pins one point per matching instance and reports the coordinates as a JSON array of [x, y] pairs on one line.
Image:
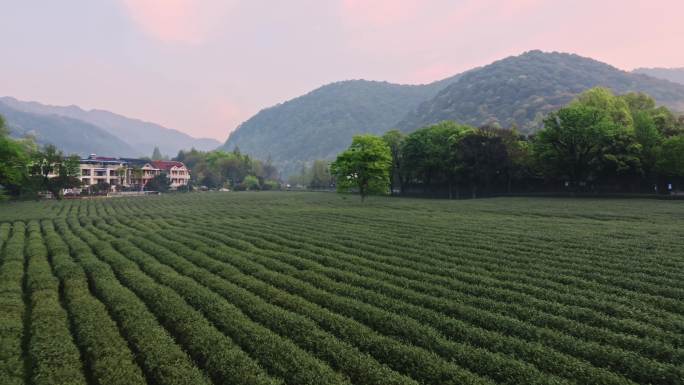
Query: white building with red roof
[[177, 173], [120, 173]]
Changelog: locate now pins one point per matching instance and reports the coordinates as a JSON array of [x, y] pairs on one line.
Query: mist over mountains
[[94, 130], [516, 90]]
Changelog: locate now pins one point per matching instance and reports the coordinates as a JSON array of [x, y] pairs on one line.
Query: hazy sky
[[204, 66]]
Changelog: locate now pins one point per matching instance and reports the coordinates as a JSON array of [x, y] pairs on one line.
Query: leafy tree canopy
[[364, 167]]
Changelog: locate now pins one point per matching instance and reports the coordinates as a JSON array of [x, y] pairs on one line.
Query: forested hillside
[[517, 90], [322, 122], [69, 135], [142, 136], [672, 74], [520, 90]]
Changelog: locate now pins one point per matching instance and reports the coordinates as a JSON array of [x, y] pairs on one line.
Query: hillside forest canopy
[[517, 90]]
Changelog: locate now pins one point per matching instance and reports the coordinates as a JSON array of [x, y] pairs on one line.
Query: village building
[[177, 173], [120, 173]]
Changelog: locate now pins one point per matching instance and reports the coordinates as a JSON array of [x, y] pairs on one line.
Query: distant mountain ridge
[[517, 90], [68, 134], [675, 75], [140, 135]]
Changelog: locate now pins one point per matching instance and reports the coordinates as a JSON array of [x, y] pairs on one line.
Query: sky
[[205, 66]]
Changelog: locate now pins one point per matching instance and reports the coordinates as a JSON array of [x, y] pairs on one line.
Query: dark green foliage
[[598, 142], [159, 183], [481, 160], [671, 157], [218, 169]]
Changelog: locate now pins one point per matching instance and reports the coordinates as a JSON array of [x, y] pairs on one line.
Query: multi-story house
[[177, 173], [100, 170], [128, 172]]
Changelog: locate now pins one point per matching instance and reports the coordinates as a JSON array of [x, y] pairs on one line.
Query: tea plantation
[[320, 288]]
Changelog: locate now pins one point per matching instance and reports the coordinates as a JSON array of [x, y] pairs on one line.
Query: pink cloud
[[379, 12], [177, 21]]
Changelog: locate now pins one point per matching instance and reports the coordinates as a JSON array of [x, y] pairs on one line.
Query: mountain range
[[515, 91], [75, 130]]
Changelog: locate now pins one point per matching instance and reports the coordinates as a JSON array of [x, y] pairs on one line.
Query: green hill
[[516, 90], [321, 123], [521, 89]]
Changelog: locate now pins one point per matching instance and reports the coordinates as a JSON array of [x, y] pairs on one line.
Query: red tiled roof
[[166, 164]]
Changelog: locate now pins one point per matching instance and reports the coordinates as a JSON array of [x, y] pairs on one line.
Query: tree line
[[233, 170], [600, 142]]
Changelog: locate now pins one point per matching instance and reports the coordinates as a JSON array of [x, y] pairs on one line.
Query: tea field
[[319, 288]]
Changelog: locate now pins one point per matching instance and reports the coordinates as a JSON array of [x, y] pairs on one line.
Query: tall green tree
[[671, 157], [159, 183], [569, 147], [364, 167], [429, 154], [14, 157], [51, 171], [320, 175], [596, 136], [156, 154], [395, 141], [481, 158]]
